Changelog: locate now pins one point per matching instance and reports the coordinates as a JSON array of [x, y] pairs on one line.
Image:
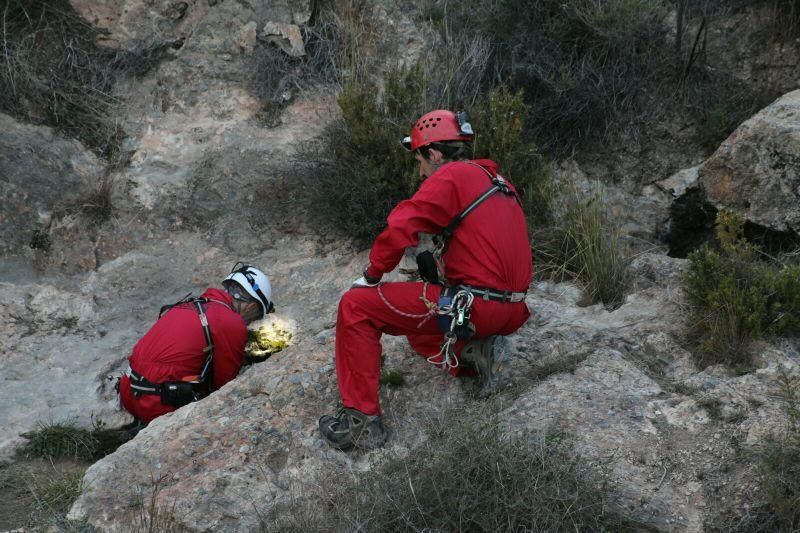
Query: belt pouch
[[426, 265], [177, 393]]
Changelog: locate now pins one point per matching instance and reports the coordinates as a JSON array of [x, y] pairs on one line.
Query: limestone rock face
[[209, 25], [204, 188], [40, 172], [756, 171]]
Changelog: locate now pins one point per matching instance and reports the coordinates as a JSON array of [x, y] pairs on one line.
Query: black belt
[[496, 295], [141, 385], [175, 393]]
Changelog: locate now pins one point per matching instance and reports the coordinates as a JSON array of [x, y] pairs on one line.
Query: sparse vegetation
[[65, 440], [589, 69], [779, 468], [53, 72], [99, 204], [584, 244], [392, 378], [736, 296], [38, 494], [540, 368], [40, 240], [470, 474], [154, 516], [333, 42]]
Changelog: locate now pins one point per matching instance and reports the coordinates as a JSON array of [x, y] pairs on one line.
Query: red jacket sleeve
[[229, 342], [430, 210]]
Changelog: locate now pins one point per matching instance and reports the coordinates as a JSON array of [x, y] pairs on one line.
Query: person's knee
[[353, 302]]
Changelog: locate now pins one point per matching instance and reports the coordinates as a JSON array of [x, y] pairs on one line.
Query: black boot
[[350, 428], [128, 431], [491, 357]]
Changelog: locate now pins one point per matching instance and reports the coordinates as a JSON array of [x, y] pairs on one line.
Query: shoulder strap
[[165, 308], [499, 184], [454, 223], [207, 370]]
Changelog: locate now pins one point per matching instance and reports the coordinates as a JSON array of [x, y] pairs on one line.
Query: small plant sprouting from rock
[[99, 204], [154, 516], [41, 240], [715, 126], [392, 378], [264, 342]]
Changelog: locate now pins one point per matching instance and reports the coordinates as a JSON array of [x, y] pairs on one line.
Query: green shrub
[[581, 64], [359, 172], [470, 474], [500, 123], [736, 297], [586, 245], [715, 126], [40, 240]]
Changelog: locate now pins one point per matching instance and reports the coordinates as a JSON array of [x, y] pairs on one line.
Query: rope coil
[[459, 312]]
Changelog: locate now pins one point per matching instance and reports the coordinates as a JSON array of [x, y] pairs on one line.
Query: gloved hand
[[365, 281], [362, 283]]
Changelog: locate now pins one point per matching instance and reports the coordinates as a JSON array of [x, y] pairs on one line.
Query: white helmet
[[255, 283]]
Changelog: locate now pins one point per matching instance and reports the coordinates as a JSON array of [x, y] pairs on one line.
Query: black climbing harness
[[180, 393]]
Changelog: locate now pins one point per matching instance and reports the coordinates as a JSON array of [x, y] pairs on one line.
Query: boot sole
[[499, 357]]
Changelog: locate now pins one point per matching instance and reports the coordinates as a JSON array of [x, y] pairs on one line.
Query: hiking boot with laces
[[350, 428], [491, 357]]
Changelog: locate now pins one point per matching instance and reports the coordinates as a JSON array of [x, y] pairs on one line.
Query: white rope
[[432, 310], [458, 310]]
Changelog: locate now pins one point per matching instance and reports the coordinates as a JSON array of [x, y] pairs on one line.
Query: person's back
[[175, 348], [491, 247]]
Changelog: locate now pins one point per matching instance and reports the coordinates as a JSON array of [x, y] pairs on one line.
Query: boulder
[[619, 381], [756, 171]]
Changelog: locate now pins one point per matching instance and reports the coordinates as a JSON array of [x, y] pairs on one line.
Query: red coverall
[[173, 349], [490, 249]]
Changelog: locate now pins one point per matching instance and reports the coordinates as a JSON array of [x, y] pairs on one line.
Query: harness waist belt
[[142, 385], [496, 295]]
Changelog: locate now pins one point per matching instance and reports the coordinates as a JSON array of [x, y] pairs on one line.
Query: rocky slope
[[206, 185]]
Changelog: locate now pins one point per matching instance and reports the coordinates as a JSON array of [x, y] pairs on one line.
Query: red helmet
[[436, 126]]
